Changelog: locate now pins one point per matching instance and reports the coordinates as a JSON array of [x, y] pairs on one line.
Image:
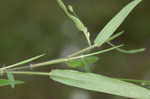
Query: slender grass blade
[[114, 23]]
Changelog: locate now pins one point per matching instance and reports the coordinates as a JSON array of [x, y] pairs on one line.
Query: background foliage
[[29, 28]]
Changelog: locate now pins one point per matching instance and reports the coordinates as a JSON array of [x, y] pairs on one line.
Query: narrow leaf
[[11, 79], [133, 51], [102, 51], [99, 83], [115, 36], [5, 82], [24, 62], [115, 22], [142, 82], [79, 63]]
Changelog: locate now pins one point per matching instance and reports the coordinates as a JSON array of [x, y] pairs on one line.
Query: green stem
[[45, 63], [22, 62], [49, 62], [30, 73], [66, 59], [82, 51]]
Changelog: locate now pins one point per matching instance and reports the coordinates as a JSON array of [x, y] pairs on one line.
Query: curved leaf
[[132, 51]]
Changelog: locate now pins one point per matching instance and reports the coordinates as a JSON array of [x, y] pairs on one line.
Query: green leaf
[[71, 9], [142, 82], [99, 83], [133, 51], [79, 63], [101, 51], [115, 36], [24, 62], [5, 82], [80, 26], [115, 22], [86, 65], [11, 79]]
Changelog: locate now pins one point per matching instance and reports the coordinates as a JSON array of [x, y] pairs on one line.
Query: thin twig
[[67, 59]]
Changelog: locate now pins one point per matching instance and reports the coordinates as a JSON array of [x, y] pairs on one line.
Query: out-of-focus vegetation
[[29, 28]]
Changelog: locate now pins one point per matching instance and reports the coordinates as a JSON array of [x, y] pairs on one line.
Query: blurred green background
[[31, 27]]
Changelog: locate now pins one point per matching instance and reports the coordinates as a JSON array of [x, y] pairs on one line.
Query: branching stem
[[82, 51], [67, 59]]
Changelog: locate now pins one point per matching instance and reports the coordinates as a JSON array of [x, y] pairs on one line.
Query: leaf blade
[[114, 36], [5, 82], [24, 62], [86, 65], [79, 63], [99, 83], [132, 51], [11, 79], [114, 23]]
